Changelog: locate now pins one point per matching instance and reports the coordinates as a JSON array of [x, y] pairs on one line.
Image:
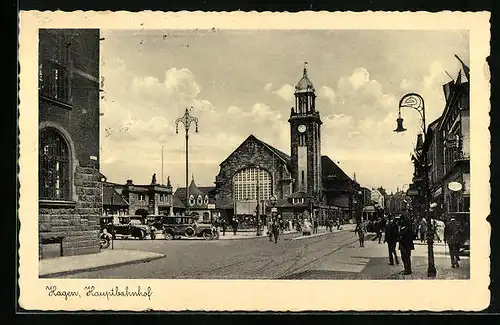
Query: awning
[[437, 192]]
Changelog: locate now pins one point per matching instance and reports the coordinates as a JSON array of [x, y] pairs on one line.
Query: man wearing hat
[[391, 238], [406, 244], [452, 236]]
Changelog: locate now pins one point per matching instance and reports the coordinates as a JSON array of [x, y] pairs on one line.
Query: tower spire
[[305, 69]]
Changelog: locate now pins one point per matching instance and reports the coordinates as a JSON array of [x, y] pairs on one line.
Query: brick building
[[256, 167], [69, 178]]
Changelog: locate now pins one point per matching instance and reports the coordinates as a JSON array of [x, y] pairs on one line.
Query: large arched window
[[245, 184], [54, 166]]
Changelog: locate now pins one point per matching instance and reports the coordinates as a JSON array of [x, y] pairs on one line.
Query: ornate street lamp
[[415, 101], [186, 119]]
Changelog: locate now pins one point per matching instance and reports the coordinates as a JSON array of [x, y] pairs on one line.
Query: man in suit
[[406, 245], [452, 236], [391, 238]]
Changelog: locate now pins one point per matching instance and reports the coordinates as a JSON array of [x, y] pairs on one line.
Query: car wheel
[[189, 232], [153, 235], [207, 235], [168, 236], [142, 235]]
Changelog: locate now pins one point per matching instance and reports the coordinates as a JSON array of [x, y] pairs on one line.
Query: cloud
[[268, 87], [286, 92], [328, 93]]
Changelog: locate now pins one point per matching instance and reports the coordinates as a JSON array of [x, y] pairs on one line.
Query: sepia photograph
[[254, 154]]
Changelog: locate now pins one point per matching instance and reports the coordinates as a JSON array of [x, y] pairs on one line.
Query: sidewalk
[[378, 267], [58, 266]]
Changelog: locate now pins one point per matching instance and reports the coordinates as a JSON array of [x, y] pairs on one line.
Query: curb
[[101, 267]]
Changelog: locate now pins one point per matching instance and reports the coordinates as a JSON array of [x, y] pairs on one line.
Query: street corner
[[67, 265]]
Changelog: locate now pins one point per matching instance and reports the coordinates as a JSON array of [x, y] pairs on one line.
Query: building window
[[199, 200], [141, 197], [54, 167], [245, 184], [54, 76]]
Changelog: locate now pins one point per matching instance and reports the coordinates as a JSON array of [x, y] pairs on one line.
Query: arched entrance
[[141, 212]]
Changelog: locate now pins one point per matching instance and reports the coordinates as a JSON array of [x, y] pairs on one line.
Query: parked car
[[128, 226], [178, 227], [157, 221]]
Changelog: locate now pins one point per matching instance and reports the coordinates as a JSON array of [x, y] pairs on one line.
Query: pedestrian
[[224, 226], [290, 225], [235, 225], [452, 236], [406, 245], [361, 231], [391, 238], [338, 223], [378, 230], [330, 224], [423, 229], [436, 230], [275, 230], [315, 226]]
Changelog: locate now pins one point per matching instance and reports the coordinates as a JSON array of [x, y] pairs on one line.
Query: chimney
[[129, 182]]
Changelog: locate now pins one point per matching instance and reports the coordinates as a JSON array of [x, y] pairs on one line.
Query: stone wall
[[248, 154], [77, 222]]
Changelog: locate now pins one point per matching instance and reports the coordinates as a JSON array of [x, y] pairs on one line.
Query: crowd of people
[[277, 225], [400, 229]]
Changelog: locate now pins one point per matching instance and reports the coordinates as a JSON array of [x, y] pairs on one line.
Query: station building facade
[[302, 181]]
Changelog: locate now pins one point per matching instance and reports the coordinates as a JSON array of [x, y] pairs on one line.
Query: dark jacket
[[406, 238], [452, 232], [391, 232]]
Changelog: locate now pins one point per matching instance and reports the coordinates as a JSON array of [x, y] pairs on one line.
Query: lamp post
[[186, 119], [415, 101]]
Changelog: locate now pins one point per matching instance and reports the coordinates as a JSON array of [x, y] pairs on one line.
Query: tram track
[[307, 266]]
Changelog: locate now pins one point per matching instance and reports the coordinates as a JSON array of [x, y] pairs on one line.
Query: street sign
[[211, 206], [274, 209]]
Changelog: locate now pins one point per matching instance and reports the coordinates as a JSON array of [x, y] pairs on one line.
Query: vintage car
[[178, 227], [157, 221], [128, 226]]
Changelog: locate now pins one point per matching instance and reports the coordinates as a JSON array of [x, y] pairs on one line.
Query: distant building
[[69, 180], [145, 199], [113, 204], [201, 202]]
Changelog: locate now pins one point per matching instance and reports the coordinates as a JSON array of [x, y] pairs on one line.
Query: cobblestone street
[[326, 256]]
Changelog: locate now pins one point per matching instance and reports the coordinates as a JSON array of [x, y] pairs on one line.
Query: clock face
[[302, 128]]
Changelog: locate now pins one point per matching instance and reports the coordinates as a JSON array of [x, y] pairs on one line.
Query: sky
[[240, 82]]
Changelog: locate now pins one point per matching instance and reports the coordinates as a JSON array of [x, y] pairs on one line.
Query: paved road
[[330, 256], [228, 259]]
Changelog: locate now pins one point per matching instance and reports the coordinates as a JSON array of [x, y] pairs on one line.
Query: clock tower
[[305, 133]]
